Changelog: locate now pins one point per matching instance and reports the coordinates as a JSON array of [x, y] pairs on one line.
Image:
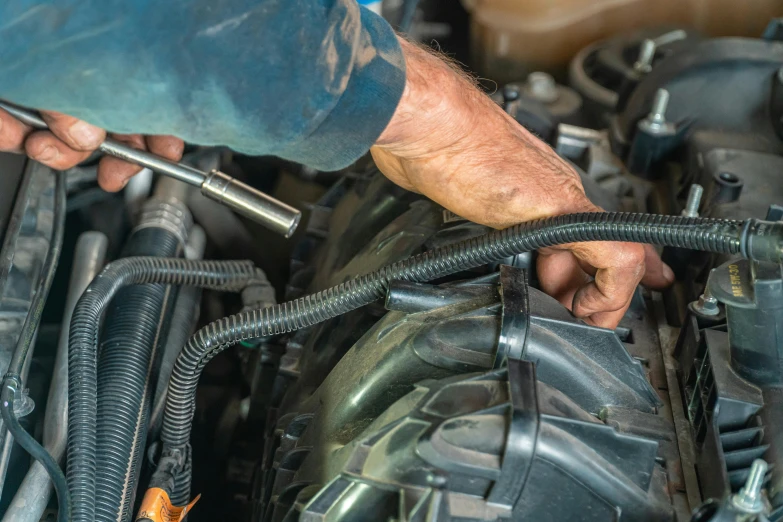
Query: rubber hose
[[82, 350], [712, 235], [136, 324], [12, 381]]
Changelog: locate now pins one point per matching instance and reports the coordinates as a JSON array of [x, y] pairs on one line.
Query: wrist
[[436, 110]]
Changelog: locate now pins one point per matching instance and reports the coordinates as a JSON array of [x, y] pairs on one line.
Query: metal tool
[[215, 185]]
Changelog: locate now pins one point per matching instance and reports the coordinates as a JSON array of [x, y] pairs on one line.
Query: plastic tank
[[510, 38]]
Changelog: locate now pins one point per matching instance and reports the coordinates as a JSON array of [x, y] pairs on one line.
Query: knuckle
[[631, 257]]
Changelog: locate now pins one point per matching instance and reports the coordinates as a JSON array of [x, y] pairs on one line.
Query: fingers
[[657, 274], [113, 174], [12, 133], [560, 275], [77, 134], [618, 268], [45, 147], [600, 301], [167, 146], [68, 142]]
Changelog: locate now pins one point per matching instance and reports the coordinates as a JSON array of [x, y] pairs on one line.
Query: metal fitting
[[249, 202], [659, 105], [170, 214], [510, 93], [23, 404], [749, 500], [541, 86], [644, 61], [707, 304], [694, 200], [655, 123], [19, 397]]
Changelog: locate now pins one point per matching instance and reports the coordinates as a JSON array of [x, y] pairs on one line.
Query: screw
[[694, 200], [542, 87], [646, 54], [749, 498], [659, 105]]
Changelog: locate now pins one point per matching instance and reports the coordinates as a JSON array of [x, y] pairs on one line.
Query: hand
[[451, 143], [70, 141]]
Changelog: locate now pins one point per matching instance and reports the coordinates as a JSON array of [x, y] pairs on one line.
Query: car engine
[[462, 393]]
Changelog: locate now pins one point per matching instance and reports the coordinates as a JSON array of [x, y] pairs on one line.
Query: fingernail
[[48, 154], [85, 135], [668, 273]]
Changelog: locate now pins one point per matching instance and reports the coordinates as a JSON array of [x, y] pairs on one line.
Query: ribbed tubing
[[83, 342], [135, 324], [712, 235]]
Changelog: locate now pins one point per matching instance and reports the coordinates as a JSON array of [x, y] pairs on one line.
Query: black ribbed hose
[[82, 350], [711, 235], [136, 324]]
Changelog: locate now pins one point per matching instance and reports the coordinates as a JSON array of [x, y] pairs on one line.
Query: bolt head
[[707, 305], [510, 93], [542, 87]]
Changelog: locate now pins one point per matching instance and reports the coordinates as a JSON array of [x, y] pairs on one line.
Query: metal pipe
[[241, 198], [33, 495]]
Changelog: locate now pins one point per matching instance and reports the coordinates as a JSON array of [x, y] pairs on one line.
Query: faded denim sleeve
[[313, 81]]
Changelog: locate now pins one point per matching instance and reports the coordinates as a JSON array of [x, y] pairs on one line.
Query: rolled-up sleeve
[[312, 81]]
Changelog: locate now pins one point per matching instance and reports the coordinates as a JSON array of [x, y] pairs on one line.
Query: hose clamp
[[169, 214]]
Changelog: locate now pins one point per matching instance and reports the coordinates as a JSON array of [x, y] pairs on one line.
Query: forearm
[[313, 81]]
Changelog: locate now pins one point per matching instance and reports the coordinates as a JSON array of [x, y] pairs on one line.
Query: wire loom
[[83, 342], [712, 235], [173, 474]]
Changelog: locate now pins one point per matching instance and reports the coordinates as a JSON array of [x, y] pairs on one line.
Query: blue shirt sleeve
[[312, 81]]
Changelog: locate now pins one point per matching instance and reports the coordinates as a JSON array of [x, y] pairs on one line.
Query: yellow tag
[[157, 507]]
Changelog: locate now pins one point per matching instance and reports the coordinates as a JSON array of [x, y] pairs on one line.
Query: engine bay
[[434, 380]]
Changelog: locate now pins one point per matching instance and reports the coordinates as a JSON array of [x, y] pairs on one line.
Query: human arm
[[432, 130]]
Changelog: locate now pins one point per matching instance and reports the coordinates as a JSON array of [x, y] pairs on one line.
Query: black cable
[[82, 350], [12, 380], [31, 446], [752, 239]]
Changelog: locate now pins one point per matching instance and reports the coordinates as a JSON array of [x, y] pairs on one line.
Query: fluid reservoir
[[510, 38]]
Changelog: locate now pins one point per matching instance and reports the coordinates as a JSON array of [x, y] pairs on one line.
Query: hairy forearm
[[450, 141], [436, 109]]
